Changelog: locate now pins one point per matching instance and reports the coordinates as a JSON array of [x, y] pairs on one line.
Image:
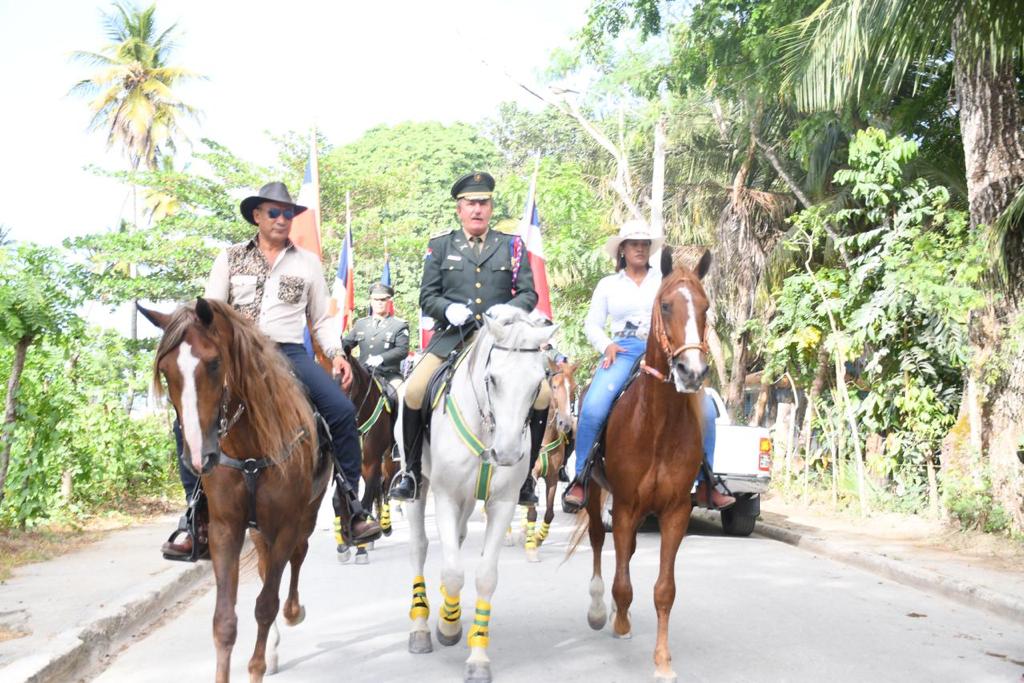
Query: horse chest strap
[[476, 447], [372, 420], [250, 469]]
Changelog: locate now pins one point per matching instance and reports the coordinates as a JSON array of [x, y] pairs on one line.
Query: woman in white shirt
[[626, 299]]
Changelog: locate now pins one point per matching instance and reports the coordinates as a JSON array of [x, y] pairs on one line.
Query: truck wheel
[[739, 520]]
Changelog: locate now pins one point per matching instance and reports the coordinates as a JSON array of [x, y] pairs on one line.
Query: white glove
[[458, 313], [374, 360]]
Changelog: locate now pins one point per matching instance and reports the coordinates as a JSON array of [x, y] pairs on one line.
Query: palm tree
[[132, 94], [852, 50]]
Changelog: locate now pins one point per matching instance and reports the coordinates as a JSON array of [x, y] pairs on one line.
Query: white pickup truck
[[743, 459]]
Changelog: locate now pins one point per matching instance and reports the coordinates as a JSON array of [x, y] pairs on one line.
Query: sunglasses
[[276, 213]]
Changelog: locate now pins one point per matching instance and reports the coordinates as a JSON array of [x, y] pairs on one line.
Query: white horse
[[478, 445]]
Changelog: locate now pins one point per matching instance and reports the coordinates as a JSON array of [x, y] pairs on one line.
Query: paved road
[[748, 609]]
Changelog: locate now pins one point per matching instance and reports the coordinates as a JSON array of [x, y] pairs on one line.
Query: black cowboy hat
[[271, 192]]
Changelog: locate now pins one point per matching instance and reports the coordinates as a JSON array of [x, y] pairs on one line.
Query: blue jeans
[[330, 401], [605, 387]]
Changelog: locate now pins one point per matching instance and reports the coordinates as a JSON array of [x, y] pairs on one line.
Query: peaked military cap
[[271, 192], [381, 288], [476, 185]]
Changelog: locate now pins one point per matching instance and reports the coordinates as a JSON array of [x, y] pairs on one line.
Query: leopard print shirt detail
[[247, 259]]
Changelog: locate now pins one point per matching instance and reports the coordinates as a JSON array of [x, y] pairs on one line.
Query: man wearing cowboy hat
[[383, 339], [278, 285], [467, 271]]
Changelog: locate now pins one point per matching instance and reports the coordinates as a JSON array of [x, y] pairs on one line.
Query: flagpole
[[531, 196]]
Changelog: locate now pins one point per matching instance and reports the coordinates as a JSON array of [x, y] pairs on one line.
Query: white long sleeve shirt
[[618, 298], [278, 296]]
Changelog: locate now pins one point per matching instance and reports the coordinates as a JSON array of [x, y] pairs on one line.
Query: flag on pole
[[343, 294], [385, 278], [529, 230], [306, 226]]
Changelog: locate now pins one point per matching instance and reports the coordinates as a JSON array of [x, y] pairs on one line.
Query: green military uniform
[[385, 337], [454, 273]]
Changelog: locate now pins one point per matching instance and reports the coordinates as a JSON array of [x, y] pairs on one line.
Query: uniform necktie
[[478, 244]]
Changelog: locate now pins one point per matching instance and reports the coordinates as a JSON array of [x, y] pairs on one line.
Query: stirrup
[[571, 507], [415, 487]]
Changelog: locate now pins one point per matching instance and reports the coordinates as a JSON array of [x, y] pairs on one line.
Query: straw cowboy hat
[[632, 230], [271, 192]]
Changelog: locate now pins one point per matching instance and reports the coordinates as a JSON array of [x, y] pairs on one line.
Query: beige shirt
[[278, 296]]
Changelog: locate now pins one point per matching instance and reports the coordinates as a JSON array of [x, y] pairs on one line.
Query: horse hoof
[[419, 643], [387, 531], [271, 664], [344, 555], [628, 635], [477, 672], [448, 641], [597, 620], [669, 677], [299, 618], [532, 556], [362, 557]]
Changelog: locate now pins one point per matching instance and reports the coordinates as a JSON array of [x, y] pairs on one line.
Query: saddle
[[439, 386]]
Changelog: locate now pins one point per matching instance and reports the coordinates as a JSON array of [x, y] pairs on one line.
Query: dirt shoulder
[[908, 533]]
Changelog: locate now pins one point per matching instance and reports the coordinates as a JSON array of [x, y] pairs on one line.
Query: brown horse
[[240, 408], [653, 451], [376, 424], [561, 427]]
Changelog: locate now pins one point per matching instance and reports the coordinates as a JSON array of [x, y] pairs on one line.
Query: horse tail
[[578, 533]]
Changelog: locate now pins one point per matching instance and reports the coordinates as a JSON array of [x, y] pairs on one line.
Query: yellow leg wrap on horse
[[452, 610], [479, 633], [385, 516], [523, 521], [420, 605], [338, 537], [531, 540], [542, 535]]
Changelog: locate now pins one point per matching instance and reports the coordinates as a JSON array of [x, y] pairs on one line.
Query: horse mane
[[276, 406]]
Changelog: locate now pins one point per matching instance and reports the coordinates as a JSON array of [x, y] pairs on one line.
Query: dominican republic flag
[[306, 226], [529, 230], [343, 295], [426, 330]]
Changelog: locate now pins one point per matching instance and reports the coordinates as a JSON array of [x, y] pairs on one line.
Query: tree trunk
[[990, 125], [762, 401], [10, 415]]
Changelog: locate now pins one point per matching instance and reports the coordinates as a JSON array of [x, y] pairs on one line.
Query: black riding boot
[[407, 484], [538, 423]]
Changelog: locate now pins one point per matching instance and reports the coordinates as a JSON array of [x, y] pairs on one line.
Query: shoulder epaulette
[[442, 234]]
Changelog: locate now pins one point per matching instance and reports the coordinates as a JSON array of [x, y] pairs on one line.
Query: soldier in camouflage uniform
[[467, 271], [383, 339]]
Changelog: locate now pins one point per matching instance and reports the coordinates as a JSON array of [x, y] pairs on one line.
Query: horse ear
[[666, 261], [204, 311], [156, 317], [705, 264]]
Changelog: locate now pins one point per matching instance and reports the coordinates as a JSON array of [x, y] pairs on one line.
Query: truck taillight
[[764, 461]]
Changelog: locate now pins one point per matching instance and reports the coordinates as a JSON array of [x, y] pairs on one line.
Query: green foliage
[[73, 417], [38, 293], [899, 306]]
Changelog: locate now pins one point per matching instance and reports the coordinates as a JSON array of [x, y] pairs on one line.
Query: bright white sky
[[271, 67]]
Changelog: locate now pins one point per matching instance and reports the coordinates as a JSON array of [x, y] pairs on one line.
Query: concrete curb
[[74, 653], [969, 594]]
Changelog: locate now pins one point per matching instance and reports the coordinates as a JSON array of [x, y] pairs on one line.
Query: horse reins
[[249, 467]]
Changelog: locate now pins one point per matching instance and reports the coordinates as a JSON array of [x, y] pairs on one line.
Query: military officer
[[467, 271], [383, 339]]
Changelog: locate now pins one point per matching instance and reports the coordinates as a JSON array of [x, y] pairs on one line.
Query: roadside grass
[[25, 546]]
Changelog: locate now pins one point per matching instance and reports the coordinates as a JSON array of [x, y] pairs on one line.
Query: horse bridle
[[666, 346], [487, 418]]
